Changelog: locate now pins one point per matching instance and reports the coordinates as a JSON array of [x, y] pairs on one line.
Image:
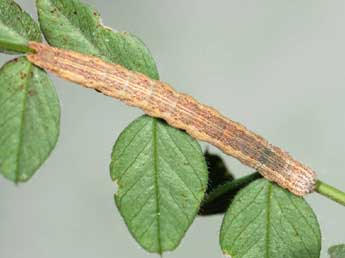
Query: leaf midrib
[[22, 119], [268, 219], [155, 168]]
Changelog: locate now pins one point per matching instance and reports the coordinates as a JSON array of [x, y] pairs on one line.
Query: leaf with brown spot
[[29, 119]]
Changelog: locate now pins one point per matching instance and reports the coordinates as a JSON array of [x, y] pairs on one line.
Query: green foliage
[[337, 251], [265, 220], [29, 119], [160, 171], [16, 28], [162, 178], [73, 25], [29, 108], [162, 222]]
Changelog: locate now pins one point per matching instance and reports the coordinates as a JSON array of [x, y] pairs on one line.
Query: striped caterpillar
[[158, 99]]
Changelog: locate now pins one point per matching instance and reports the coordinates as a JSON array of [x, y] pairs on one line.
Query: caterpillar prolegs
[[158, 99]]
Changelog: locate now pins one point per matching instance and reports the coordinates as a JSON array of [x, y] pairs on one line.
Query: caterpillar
[[179, 110]]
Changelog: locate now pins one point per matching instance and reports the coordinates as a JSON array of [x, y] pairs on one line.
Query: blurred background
[[277, 67]]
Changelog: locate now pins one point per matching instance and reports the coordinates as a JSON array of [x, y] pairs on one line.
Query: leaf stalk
[[330, 192], [15, 48]]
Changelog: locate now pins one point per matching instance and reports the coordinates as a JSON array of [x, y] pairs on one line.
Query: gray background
[[277, 67]]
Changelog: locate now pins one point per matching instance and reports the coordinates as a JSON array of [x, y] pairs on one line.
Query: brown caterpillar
[[158, 99]]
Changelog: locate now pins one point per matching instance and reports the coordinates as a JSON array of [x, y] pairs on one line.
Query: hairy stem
[[330, 192]]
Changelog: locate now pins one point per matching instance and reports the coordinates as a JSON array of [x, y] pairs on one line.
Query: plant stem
[[330, 192], [11, 47]]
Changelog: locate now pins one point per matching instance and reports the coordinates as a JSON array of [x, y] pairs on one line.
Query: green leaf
[[72, 25], [153, 157], [16, 28], [162, 177], [265, 220], [29, 119], [337, 251]]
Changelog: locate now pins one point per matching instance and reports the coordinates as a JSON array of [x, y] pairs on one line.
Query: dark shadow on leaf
[[222, 187], [218, 173]]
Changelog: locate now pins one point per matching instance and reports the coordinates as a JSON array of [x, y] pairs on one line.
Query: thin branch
[[11, 47], [330, 192]]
